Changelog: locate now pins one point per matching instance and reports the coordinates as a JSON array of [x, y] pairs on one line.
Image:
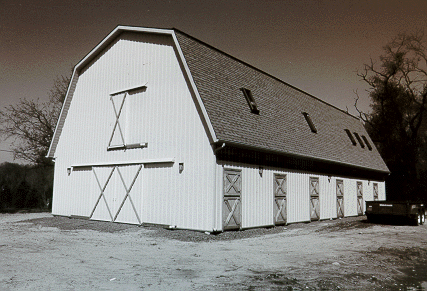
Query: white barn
[[160, 128]]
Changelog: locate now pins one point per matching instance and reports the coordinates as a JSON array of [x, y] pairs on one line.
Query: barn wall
[[163, 114], [258, 194]]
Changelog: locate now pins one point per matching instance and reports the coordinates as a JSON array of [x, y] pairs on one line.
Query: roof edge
[[204, 113], [62, 115], [113, 34]]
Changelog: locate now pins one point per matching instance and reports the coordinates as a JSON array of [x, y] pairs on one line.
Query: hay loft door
[[232, 205], [280, 207]]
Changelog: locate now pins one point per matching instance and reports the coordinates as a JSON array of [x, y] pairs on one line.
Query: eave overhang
[[221, 145]]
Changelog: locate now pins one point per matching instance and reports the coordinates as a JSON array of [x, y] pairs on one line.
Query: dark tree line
[[30, 125], [398, 120], [25, 186]]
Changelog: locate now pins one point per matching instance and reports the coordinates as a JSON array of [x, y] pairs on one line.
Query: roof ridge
[[261, 71]]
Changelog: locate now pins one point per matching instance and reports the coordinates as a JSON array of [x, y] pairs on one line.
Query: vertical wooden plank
[[298, 197], [381, 191]]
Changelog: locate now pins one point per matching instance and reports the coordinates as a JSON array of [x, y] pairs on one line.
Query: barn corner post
[[217, 188]]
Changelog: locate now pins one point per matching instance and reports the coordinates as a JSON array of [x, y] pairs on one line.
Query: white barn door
[[359, 198], [280, 192], [376, 191], [118, 195], [314, 199], [232, 205], [340, 198]]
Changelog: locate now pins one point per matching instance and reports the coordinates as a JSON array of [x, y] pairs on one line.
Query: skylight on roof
[[309, 122], [359, 139], [367, 142], [350, 136], [250, 99]]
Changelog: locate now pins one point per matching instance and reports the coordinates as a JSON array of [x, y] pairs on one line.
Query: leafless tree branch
[[30, 124]]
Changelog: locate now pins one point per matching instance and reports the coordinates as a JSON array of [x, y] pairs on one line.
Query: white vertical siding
[[381, 191], [350, 197], [368, 191], [299, 197], [158, 208], [84, 186], [350, 194], [164, 116], [219, 195], [60, 202], [258, 194], [328, 201], [257, 203]]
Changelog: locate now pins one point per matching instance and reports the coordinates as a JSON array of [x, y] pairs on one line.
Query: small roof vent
[[367, 142], [309, 122], [350, 136], [250, 99], [359, 139]]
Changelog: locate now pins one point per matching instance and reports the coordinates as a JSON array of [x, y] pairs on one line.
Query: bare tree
[[398, 91], [30, 124]]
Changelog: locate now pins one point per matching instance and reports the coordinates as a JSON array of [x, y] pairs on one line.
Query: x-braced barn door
[[375, 191], [280, 207], [231, 208], [340, 198], [123, 135], [359, 198], [117, 136], [118, 199], [314, 199]]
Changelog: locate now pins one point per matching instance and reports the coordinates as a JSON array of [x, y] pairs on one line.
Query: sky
[[317, 46]]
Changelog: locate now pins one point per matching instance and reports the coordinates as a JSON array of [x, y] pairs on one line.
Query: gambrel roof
[[289, 121]]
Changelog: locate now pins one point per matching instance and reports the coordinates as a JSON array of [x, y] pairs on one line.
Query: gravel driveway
[[41, 252]]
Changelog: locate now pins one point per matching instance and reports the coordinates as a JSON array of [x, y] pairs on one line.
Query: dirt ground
[[41, 252]]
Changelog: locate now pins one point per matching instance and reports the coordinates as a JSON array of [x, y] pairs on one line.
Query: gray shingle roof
[[280, 126]]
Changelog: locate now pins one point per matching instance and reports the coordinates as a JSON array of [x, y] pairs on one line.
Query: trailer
[[412, 212]]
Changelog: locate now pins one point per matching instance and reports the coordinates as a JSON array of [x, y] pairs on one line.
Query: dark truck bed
[[412, 212]]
